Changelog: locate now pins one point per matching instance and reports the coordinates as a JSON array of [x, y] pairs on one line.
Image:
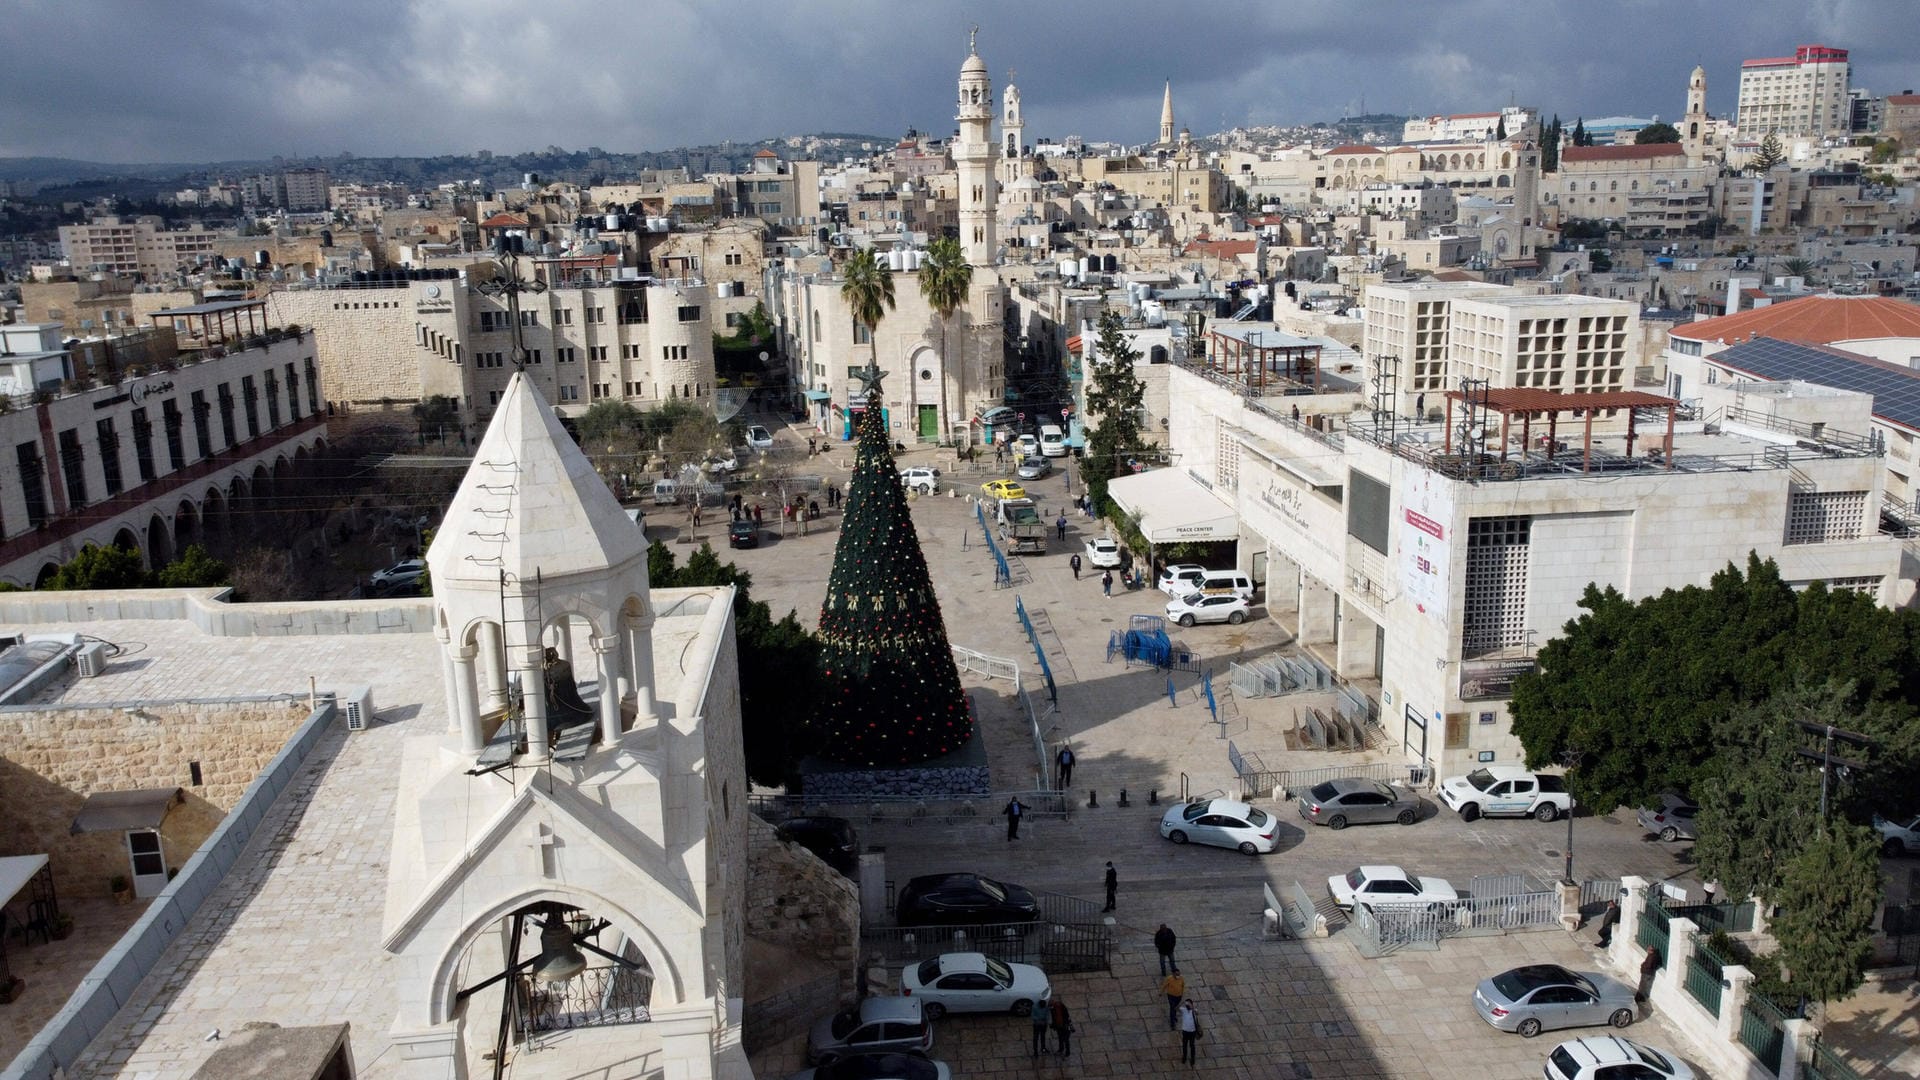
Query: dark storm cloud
[[212, 79]]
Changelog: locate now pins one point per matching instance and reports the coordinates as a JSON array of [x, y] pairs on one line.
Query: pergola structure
[[1528, 402], [219, 319], [1256, 357]]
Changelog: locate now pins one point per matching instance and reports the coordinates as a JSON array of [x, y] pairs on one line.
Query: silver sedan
[[1531, 999], [1353, 800]]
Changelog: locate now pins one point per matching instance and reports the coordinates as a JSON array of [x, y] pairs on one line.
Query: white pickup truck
[[1507, 790]]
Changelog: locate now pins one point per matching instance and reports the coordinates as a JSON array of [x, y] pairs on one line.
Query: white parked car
[[721, 461], [1180, 578], [921, 478], [1610, 1057], [1028, 445], [1103, 554], [1506, 790], [1208, 607], [759, 438], [1381, 885], [974, 982], [1896, 838], [1221, 823], [405, 572]]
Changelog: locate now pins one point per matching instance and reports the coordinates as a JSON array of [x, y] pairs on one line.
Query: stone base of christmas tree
[[963, 773]]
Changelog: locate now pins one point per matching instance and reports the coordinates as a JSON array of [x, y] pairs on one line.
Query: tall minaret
[[1693, 126], [1166, 116], [1012, 129], [973, 156]]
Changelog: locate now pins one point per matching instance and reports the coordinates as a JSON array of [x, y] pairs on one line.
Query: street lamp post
[[1571, 759]]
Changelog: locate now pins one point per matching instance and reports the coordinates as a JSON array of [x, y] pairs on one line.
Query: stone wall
[[854, 785], [798, 909], [51, 759], [798, 902]]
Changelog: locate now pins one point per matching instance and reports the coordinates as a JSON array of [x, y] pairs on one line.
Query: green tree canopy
[[97, 567], [1827, 902], [608, 418], [867, 286], [1114, 397], [1770, 156], [194, 569], [945, 278], [1656, 132], [1641, 688]]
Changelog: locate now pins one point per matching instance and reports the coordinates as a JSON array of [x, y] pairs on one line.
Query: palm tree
[[944, 280], [867, 286]]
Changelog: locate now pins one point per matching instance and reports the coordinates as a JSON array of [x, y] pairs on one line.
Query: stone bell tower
[[973, 158], [568, 858]]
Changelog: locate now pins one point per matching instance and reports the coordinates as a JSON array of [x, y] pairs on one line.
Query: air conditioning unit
[[357, 704], [91, 659]]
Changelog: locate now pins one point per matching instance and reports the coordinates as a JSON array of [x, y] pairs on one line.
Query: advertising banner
[[1426, 516]]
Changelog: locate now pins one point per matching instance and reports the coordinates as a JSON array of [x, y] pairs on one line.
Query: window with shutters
[[1494, 611], [1821, 517]]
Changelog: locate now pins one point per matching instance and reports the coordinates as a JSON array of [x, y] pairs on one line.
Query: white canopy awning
[[16, 871], [1174, 508]]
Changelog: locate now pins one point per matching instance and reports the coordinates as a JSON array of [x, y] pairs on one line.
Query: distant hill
[[51, 170]]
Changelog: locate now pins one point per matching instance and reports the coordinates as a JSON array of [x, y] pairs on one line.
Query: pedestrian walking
[[810, 445], [860, 986], [1608, 919], [1106, 583], [1189, 1034], [1014, 812], [1296, 414], [1061, 525], [1064, 765], [1075, 563], [758, 517], [1062, 1025], [1649, 967], [1113, 886], [1420, 406], [1175, 987], [1041, 1015], [1163, 941]]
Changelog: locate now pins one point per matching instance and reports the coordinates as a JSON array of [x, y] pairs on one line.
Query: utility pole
[[1825, 756], [1571, 759]]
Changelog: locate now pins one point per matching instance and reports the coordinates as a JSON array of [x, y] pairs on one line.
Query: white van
[[665, 492], [1053, 443], [1215, 582]]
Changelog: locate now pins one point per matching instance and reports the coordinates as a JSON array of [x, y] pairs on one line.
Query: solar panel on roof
[[1895, 390]]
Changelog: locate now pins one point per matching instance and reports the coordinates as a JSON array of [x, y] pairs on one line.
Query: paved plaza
[[1270, 1009]]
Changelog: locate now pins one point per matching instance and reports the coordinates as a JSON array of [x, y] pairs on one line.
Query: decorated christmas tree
[[889, 693]]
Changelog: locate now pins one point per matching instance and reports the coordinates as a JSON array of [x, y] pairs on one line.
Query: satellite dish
[[1478, 433]]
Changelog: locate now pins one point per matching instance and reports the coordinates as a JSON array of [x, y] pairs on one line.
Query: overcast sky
[[197, 80]]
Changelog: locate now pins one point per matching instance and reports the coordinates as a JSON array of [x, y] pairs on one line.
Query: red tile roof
[[1471, 115], [764, 153], [1903, 99], [504, 220], [1812, 320], [1769, 61], [1355, 148], [1623, 153]]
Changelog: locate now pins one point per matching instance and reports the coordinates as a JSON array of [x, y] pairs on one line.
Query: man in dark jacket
[[1608, 920], [1163, 941]]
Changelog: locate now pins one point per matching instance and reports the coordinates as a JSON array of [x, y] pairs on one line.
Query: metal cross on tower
[[511, 287]]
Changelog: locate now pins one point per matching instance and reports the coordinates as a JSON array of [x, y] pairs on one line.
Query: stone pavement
[[1271, 1009]]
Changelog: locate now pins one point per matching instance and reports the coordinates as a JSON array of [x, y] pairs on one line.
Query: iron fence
[[597, 997], [1820, 1063], [1384, 929], [1652, 931], [1703, 975], [1260, 783], [909, 810], [1595, 894], [1763, 1031], [1726, 917]]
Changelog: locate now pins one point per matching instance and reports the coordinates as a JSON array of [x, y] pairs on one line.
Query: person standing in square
[[1064, 763], [1013, 811], [1113, 886]]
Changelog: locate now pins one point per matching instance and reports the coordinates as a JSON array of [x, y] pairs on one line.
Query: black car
[[743, 534], [831, 838], [963, 900]]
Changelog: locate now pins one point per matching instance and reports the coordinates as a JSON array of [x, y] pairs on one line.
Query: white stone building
[[598, 331], [141, 245], [1428, 573], [159, 455], [1802, 94]]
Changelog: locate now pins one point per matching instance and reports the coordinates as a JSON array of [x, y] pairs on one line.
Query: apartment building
[[140, 245], [594, 333], [1800, 95], [1562, 343], [153, 455], [1426, 574], [778, 192]]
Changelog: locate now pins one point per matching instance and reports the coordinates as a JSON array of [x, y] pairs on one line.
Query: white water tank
[[613, 223], [1086, 266], [1069, 268], [726, 289]]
